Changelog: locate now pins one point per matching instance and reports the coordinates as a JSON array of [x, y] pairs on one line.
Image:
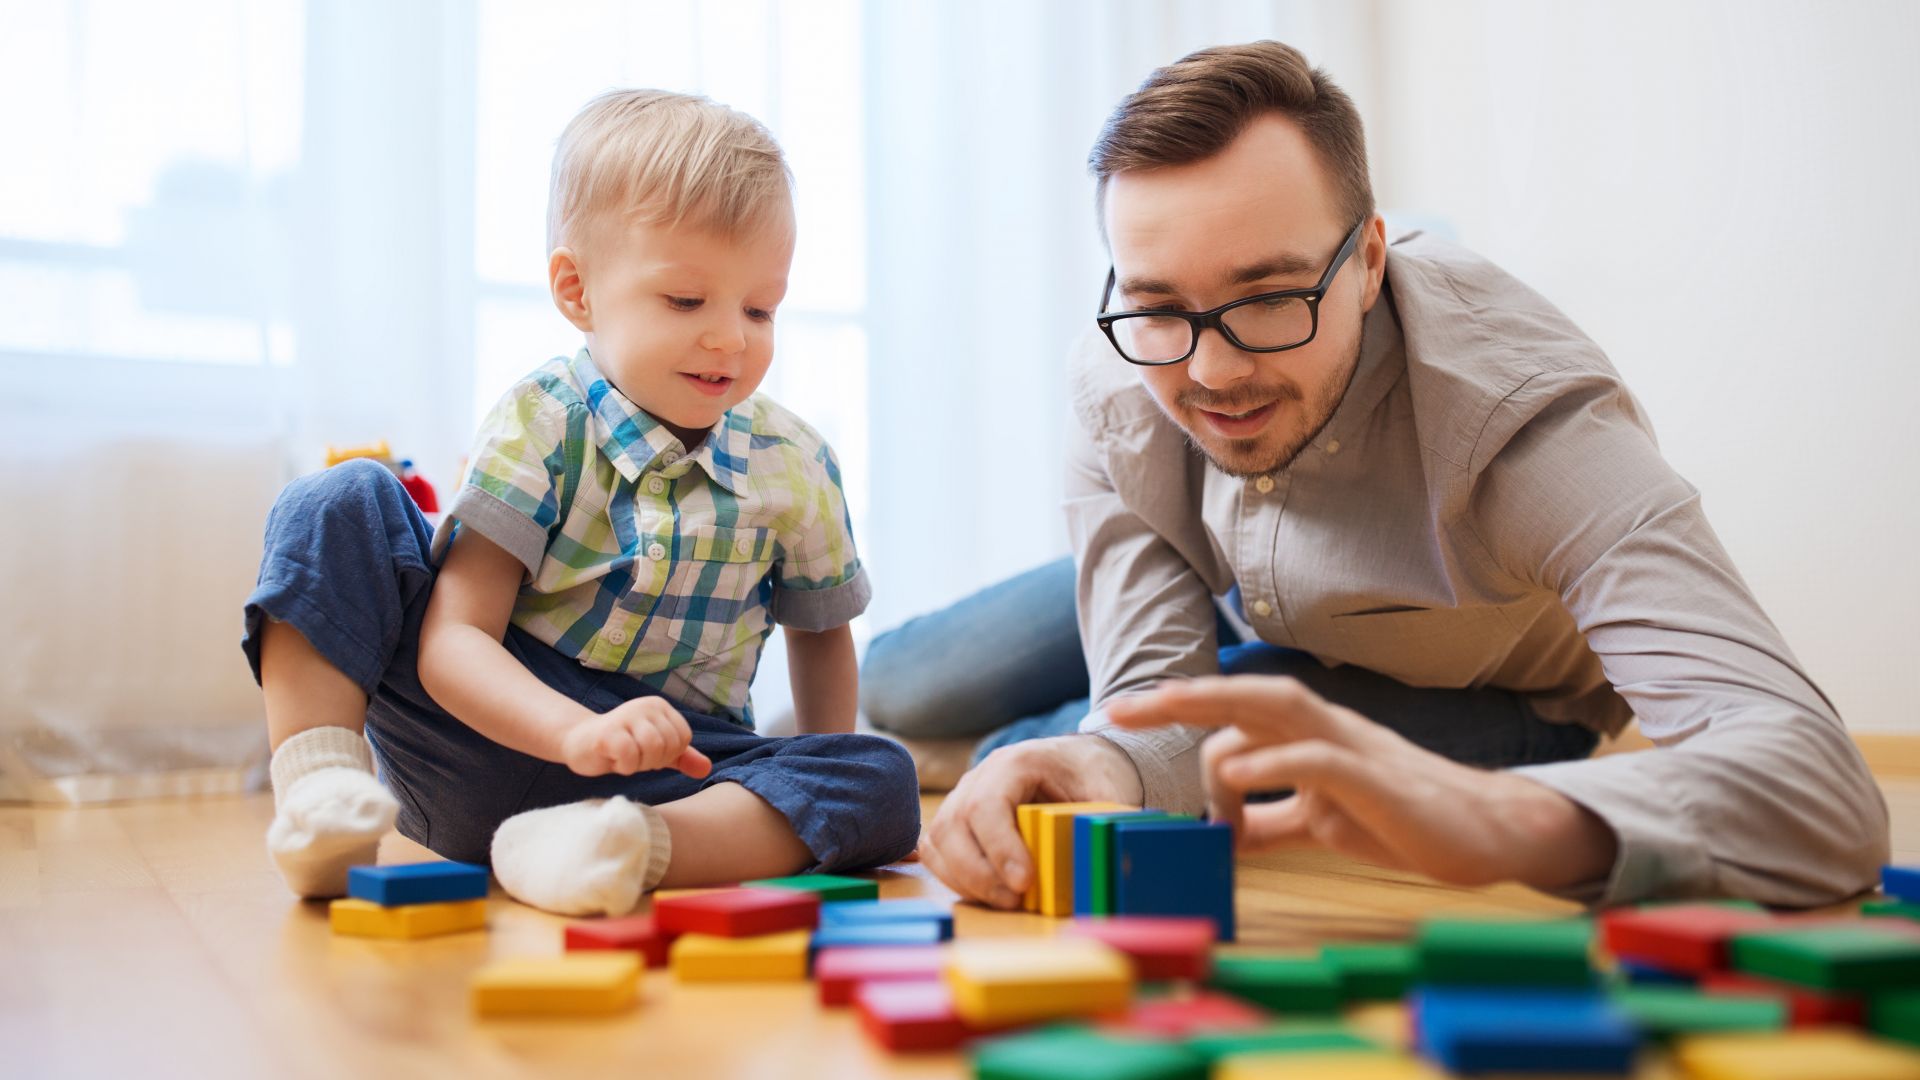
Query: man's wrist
[[1108, 766], [1565, 845]]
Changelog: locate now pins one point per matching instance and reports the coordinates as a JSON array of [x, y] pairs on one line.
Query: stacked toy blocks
[[414, 900], [1101, 859]]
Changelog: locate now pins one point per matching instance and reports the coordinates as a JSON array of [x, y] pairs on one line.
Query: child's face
[[681, 319]]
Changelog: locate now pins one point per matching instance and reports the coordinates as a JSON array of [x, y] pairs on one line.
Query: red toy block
[[1160, 947], [1805, 1006], [841, 971], [1181, 1018], [1687, 938], [910, 1015], [635, 932], [738, 912]]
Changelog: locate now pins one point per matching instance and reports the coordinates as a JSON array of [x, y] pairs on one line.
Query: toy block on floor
[[839, 972], [862, 912], [1052, 851], [1373, 970], [364, 918], [1685, 938], [1831, 957], [1188, 1015], [878, 935], [828, 888], [1805, 1006], [1285, 984], [1015, 980], [1068, 1053], [1890, 908], [634, 933], [738, 912], [1093, 857], [1291, 1039], [1486, 952], [1896, 1015], [1827, 1053], [1634, 973], [1160, 948], [909, 1016], [1901, 882], [573, 984], [1663, 1012], [1174, 868], [1338, 1065], [417, 883], [778, 957], [1472, 1030]]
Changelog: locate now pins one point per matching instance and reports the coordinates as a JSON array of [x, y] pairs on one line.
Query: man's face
[[1260, 216]]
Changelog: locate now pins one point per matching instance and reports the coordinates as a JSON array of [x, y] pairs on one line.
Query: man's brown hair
[[1191, 109]]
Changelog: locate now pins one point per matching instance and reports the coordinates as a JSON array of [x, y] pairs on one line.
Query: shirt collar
[[635, 442], [1382, 360]]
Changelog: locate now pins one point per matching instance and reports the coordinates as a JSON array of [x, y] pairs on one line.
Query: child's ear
[[569, 291]]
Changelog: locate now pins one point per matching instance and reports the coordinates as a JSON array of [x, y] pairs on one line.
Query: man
[[1430, 497]]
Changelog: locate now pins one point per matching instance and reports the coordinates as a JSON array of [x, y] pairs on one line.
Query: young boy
[[558, 677]]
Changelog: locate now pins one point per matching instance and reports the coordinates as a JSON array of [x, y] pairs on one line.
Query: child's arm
[[471, 674], [825, 678]]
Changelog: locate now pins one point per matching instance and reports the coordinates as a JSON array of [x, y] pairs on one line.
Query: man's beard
[[1239, 462]]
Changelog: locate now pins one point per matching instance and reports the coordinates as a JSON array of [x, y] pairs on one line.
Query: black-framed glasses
[[1268, 322]]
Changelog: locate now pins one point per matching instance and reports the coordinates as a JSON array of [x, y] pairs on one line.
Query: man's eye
[[1275, 303], [684, 303]]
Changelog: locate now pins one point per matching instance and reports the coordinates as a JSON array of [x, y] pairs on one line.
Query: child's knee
[[361, 481], [892, 825]]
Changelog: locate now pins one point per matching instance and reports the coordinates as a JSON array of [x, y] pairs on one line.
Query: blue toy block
[[1086, 886], [1902, 882], [417, 883], [1530, 1030], [1174, 868], [856, 935], [884, 912], [1648, 975]]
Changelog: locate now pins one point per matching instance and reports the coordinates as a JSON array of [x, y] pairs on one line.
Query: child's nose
[[728, 335]]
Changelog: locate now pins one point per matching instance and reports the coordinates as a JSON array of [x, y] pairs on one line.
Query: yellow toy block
[[1053, 860], [1001, 981], [378, 451], [364, 918], [1828, 1053], [1334, 1065], [580, 983], [1027, 817], [768, 957]]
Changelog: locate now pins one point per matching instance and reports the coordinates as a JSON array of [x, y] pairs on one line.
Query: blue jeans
[[1005, 663], [346, 564]]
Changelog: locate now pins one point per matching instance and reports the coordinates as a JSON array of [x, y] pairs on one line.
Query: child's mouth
[[710, 385]]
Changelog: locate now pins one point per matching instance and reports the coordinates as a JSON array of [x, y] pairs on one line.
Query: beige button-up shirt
[[1487, 507]]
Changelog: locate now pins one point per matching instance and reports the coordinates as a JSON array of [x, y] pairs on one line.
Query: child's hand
[[645, 733]]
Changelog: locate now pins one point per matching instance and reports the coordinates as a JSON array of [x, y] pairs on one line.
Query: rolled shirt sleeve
[[511, 494]]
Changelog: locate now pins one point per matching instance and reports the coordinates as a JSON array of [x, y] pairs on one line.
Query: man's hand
[[642, 734], [1365, 791], [973, 843]]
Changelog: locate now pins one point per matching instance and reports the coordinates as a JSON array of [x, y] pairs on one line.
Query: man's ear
[[1373, 248], [569, 290]]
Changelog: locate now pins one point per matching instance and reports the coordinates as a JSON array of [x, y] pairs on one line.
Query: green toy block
[[1069, 1053], [1285, 984], [1309, 1037], [1663, 1012], [1373, 971], [1858, 958], [1895, 1015], [1890, 908], [1099, 856], [1484, 952], [830, 887]]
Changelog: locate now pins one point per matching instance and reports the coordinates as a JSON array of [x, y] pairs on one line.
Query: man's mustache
[[1240, 398]]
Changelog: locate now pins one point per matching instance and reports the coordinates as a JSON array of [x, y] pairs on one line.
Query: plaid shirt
[[666, 565]]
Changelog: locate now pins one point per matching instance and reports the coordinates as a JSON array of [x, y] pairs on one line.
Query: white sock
[[329, 811], [585, 858]]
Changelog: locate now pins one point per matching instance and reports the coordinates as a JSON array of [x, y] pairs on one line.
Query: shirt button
[[617, 636], [656, 485], [1263, 485], [656, 552], [670, 457], [1333, 446], [1262, 608], [744, 545]]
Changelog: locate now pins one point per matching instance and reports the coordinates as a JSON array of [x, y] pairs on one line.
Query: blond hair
[[664, 158]]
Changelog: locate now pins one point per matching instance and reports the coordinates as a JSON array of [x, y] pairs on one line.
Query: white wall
[[1727, 198]]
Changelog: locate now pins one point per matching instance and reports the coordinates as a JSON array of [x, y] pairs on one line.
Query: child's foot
[[585, 858], [330, 810]]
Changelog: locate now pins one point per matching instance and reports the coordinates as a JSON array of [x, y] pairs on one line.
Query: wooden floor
[[154, 939]]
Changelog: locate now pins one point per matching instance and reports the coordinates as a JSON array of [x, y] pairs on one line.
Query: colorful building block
[[1012, 980], [1186, 1015], [1635, 973], [1285, 984], [1474, 1030], [1901, 882], [839, 972], [1174, 947], [911, 1015], [829, 888], [1062, 1053], [1827, 1053], [878, 935], [634, 933], [1896, 1015], [576, 983], [1291, 1039], [1890, 909], [1174, 868], [1093, 857], [1373, 971], [364, 918], [860, 912], [1052, 851], [1831, 957], [1686, 938], [1805, 1007], [746, 912], [1484, 952], [417, 883], [768, 958], [1663, 1012], [1336, 1065]]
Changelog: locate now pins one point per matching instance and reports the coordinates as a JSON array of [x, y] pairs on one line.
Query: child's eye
[[759, 314], [684, 303]]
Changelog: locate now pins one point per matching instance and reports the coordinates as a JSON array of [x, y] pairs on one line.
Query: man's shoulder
[[1106, 391]]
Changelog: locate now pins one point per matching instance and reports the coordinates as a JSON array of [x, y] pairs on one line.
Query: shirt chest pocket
[[714, 596]]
